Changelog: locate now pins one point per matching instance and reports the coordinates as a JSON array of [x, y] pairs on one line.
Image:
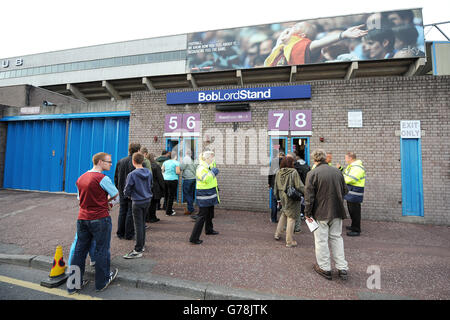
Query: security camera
[[46, 103]]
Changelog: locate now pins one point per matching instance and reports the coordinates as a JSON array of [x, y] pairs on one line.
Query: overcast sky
[[29, 27]]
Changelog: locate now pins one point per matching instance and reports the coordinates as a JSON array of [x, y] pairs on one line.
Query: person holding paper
[[325, 189]]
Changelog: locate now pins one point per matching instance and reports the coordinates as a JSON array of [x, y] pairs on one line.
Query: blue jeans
[[72, 250], [100, 232], [273, 208], [189, 193]]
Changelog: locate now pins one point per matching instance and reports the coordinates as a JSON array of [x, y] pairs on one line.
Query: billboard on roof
[[369, 36]]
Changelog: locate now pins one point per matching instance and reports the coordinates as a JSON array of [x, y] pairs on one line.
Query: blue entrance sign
[[240, 94]]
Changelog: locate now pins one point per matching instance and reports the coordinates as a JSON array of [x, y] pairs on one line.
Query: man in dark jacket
[[324, 201], [165, 155], [158, 190], [125, 226]]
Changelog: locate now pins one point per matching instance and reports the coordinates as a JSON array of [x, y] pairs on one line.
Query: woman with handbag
[[288, 189]]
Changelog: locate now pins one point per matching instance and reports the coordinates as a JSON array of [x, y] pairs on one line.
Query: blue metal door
[[34, 157], [89, 136], [412, 184]]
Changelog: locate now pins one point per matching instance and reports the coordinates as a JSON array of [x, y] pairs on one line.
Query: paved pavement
[[243, 261]]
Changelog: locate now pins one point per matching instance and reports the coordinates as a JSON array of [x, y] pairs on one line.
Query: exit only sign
[[410, 129]]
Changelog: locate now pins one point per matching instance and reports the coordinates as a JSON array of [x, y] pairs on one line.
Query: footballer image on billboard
[[370, 36]]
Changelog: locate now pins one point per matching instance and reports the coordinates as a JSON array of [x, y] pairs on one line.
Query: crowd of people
[[141, 181], [383, 35]]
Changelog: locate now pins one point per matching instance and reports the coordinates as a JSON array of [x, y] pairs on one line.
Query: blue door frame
[[412, 181], [170, 144], [184, 154], [285, 139], [306, 147]]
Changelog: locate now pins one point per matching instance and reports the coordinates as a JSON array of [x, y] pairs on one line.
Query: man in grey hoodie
[[138, 187]]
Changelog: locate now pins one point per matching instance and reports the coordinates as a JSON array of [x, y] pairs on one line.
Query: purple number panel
[[191, 122], [173, 122], [278, 120], [301, 120]]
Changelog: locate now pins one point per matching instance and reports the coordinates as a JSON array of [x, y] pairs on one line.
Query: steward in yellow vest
[[355, 178], [207, 192], [207, 196]]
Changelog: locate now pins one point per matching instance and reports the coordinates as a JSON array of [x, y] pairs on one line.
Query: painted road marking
[[53, 291]]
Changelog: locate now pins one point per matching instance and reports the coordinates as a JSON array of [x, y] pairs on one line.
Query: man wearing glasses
[[95, 192]]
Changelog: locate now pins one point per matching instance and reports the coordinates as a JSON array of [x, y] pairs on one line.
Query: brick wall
[[383, 101]]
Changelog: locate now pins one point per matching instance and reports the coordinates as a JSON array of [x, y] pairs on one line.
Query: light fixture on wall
[[321, 139], [155, 139], [233, 107], [46, 103]]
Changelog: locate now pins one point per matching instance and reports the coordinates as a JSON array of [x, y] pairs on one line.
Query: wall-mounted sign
[[30, 110], [18, 63], [410, 129], [301, 42], [241, 94], [298, 121], [189, 122], [355, 119], [233, 116], [278, 120]]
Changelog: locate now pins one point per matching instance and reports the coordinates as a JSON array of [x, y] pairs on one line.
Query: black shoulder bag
[[292, 192]]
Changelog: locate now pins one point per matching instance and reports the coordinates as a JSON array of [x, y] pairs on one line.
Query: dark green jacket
[[284, 178]]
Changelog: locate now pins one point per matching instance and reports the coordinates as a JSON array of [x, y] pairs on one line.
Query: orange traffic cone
[[57, 273]]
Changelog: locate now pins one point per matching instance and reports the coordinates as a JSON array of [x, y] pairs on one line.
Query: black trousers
[[354, 209], [205, 216], [151, 212], [125, 224], [172, 190], [139, 211]]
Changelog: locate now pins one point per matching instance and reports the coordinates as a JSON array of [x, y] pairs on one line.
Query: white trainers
[[133, 255], [171, 214]]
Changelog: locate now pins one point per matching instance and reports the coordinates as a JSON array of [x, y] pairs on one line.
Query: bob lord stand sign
[[241, 94]]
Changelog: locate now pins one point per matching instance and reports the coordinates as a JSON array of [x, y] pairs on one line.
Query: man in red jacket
[[95, 192]]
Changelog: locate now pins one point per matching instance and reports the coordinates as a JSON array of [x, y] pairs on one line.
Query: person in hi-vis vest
[[355, 178], [207, 196]]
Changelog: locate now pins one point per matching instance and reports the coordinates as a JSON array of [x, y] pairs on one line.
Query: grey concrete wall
[[118, 49], [23, 95], [384, 103]]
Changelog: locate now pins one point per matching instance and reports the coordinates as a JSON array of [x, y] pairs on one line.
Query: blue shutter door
[[89, 136], [34, 155], [412, 183]]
